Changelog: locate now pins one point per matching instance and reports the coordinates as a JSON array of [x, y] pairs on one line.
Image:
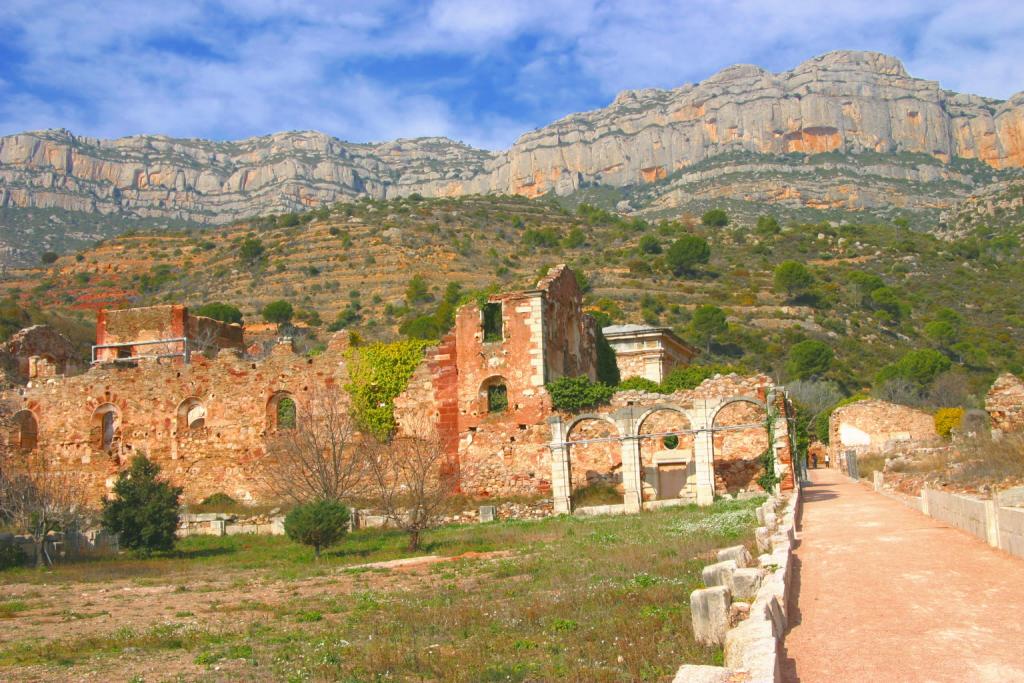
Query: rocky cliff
[[841, 102]]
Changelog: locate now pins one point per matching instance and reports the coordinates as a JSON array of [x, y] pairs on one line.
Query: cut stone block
[[746, 581], [738, 554], [719, 574], [709, 609], [488, 513], [764, 539], [700, 673]]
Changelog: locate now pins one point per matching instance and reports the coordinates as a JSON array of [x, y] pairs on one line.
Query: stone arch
[[25, 431], [667, 463], [736, 453], [595, 462], [493, 396], [106, 426], [191, 415], [282, 411]]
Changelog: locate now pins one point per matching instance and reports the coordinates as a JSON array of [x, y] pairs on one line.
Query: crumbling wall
[[875, 426], [1005, 403], [570, 335], [223, 455], [38, 352]]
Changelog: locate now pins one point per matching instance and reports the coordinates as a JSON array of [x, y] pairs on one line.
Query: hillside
[[358, 259], [850, 131]]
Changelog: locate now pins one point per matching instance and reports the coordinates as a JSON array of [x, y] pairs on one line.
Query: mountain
[[845, 130]]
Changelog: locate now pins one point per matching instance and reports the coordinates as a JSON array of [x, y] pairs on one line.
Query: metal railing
[[185, 353]]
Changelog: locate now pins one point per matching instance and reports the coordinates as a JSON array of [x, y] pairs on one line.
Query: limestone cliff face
[[840, 101]]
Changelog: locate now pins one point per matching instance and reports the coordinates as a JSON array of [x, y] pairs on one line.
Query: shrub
[[144, 512], [226, 313], [639, 384], [809, 359], [691, 376], [320, 524], [543, 238], [946, 420], [686, 253], [10, 556], [715, 218], [792, 278], [251, 251], [48, 257], [574, 394], [768, 225], [649, 244], [416, 291], [219, 499], [920, 366], [708, 322], [279, 312]]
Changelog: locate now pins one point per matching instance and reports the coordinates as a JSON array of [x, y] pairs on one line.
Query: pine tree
[[144, 513]]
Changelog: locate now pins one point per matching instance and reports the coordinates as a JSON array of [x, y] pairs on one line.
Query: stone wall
[[154, 323], [1005, 403], [37, 352], [876, 426]]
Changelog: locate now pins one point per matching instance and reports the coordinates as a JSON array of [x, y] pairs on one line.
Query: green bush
[[48, 257], [11, 556], [251, 251], [541, 238], [691, 376], [226, 313], [320, 524], [279, 312], [809, 359], [639, 384], [649, 244], [715, 218], [707, 324], [686, 253], [144, 511], [792, 278], [574, 394], [920, 366]]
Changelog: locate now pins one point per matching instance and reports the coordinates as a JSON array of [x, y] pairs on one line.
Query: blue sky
[[481, 72]]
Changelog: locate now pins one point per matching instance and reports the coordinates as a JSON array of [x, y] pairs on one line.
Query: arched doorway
[[25, 431], [739, 439], [282, 412], [666, 454], [106, 426], [594, 454]]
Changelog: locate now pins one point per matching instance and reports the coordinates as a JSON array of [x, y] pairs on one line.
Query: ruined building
[[1005, 404], [648, 352], [182, 389]]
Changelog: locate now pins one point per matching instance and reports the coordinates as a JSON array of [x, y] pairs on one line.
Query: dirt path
[[883, 593]]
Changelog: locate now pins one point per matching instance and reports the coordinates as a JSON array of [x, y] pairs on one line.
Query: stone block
[[746, 581], [709, 609], [738, 554], [719, 574], [488, 513], [1012, 498], [763, 537], [699, 673]]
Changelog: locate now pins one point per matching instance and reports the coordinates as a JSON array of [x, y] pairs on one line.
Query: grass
[[976, 463], [574, 596], [867, 465]]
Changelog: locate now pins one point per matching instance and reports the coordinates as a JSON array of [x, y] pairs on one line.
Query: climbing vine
[[769, 478], [377, 374]]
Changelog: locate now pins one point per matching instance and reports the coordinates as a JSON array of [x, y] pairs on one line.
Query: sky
[[477, 71]]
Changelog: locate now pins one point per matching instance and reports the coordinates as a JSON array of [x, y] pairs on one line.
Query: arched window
[[105, 425], [281, 411], [191, 415], [494, 395], [25, 436]]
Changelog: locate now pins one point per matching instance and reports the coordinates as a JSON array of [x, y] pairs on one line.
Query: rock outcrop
[[847, 102]]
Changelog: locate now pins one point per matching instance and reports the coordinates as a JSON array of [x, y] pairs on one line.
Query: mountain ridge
[[844, 102]]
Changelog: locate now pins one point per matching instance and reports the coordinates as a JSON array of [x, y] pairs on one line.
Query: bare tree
[[814, 395], [899, 390], [413, 481], [38, 497], [318, 458]]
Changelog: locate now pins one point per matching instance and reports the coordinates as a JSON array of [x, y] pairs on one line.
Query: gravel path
[[883, 593]]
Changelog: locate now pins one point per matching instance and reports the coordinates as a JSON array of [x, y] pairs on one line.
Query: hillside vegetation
[[870, 291]]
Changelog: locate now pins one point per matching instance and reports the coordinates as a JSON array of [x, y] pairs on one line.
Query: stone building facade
[[1004, 404], [207, 418], [648, 352], [873, 426]]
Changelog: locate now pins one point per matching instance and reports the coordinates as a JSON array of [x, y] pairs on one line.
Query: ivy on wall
[[769, 478], [378, 373]]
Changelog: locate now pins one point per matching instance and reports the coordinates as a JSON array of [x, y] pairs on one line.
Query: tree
[[416, 291], [708, 322], [686, 253], [320, 524], [412, 480], [715, 218], [768, 225], [792, 278], [226, 313], [920, 366], [251, 251], [144, 511], [37, 497], [48, 257], [318, 458], [279, 312], [649, 244], [809, 359]]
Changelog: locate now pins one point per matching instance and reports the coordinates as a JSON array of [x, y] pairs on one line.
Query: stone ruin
[[182, 389], [874, 427], [1004, 404]]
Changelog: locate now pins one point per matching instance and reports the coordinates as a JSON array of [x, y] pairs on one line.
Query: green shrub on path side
[[144, 512], [320, 524]]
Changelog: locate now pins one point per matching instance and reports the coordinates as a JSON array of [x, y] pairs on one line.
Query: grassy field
[[590, 599]]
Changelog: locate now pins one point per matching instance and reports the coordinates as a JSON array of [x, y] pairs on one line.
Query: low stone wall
[[224, 524], [997, 521], [65, 547], [751, 628]]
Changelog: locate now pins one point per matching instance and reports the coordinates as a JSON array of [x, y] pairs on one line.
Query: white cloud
[[112, 68]]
